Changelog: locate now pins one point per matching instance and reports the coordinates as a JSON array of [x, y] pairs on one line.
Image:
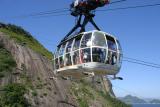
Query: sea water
[[146, 105]]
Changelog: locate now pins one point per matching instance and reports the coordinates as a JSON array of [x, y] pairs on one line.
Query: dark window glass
[[98, 55], [85, 55], [61, 61], [76, 58], [56, 63], [68, 59], [111, 43], [111, 58], [86, 40]]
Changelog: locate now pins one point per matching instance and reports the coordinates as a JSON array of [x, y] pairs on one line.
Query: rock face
[[36, 71]]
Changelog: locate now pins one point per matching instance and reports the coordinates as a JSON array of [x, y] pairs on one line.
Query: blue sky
[[137, 29]]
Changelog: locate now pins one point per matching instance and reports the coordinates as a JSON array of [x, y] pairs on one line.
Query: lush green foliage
[[13, 96], [86, 93], [113, 101], [7, 62], [83, 93], [83, 102], [25, 38]]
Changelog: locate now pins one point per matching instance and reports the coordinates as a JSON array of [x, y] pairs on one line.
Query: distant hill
[[132, 99], [155, 101]]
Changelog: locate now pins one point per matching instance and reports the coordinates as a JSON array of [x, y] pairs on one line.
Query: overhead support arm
[[94, 24], [87, 18], [78, 24]]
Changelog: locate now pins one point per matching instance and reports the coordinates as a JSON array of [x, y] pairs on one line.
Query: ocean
[[146, 105]]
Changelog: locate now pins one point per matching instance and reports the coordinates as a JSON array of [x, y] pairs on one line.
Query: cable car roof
[[82, 33]]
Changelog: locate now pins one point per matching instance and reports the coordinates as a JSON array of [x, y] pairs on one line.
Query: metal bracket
[[87, 18]]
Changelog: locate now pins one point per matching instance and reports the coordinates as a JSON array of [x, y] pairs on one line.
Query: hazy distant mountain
[[155, 101], [132, 99]]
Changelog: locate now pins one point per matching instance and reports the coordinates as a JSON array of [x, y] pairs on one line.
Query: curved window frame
[[63, 57], [76, 50], [119, 53], [101, 47], [69, 52], [106, 45], [83, 48], [112, 50]]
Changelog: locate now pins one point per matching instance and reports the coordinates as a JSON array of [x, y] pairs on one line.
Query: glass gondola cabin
[[94, 52]]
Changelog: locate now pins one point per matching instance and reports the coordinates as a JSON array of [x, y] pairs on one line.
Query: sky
[[138, 31]]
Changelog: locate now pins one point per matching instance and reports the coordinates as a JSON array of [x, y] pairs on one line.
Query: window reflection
[[99, 39], [69, 46], [98, 55], [61, 51], [77, 42], [119, 46], [86, 40], [76, 58], [120, 56]]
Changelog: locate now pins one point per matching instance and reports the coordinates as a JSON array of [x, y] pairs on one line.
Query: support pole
[[88, 17]]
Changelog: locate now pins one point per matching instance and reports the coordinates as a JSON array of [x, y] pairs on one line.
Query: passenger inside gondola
[[99, 39], [99, 47], [68, 60], [112, 51], [85, 52], [76, 58], [86, 55], [98, 55]]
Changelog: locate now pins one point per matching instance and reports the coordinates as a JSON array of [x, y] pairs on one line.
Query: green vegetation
[[27, 80], [85, 93], [34, 93], [83, 102], [25, 38], [113, 101], [82, 93], [7, 63], [13, 96]]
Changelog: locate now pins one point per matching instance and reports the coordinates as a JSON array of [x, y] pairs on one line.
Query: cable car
[[88, 54]]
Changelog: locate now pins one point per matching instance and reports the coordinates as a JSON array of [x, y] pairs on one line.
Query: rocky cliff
[[34, 71]]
